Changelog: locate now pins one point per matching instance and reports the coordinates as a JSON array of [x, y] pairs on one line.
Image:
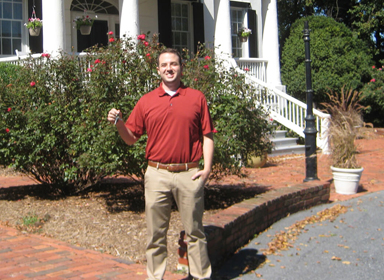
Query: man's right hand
[[112, 115]]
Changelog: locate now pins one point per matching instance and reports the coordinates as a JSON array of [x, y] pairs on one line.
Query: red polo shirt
[[174, 124]]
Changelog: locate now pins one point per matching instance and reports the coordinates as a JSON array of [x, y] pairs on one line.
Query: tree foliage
[[53, 123], [368, 22], [338, 58]]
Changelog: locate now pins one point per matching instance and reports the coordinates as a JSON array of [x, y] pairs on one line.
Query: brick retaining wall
[[233, 227]]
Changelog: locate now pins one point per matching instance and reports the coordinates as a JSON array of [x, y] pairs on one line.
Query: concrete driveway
[[349, 247]]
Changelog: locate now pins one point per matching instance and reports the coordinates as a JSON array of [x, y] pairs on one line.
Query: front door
[[98, 36]]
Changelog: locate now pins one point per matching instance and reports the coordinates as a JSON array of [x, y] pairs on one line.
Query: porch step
[[283, 145]]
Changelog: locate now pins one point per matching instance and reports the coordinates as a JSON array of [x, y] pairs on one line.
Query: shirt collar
[[181, 90]]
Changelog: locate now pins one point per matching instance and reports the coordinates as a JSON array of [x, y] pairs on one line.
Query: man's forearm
[[125, 133], [208, 149]]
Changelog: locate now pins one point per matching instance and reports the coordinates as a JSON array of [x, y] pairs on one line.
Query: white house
[[179, 23]]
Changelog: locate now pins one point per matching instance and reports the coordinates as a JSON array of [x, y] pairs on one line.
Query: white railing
[[255, 67], [17, 59], [283, 108], [287, 110]]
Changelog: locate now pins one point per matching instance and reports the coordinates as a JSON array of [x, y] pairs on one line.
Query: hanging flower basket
[[244, 33], [84, 24], [34, 24], [34, 31]]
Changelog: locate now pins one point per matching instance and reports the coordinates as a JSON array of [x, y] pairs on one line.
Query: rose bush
[[373, 96], [53, 113]]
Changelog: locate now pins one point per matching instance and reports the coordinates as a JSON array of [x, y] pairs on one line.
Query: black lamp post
[[310, 127]]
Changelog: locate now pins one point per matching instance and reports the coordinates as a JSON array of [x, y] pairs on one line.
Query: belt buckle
[[176, 167]]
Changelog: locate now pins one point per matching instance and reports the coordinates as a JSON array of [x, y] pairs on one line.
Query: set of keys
[[117, 119]]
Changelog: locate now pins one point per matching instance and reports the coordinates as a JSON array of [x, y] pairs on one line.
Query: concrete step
[[285, 146], [292, 150]]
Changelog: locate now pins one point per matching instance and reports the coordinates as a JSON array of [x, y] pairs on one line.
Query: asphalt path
[[349, 247]]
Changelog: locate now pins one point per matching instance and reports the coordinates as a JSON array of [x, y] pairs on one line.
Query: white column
[[223, 42], [53, 26], [209, 22], [271, 42], [129, 18]]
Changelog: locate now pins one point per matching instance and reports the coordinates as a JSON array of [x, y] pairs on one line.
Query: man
[[179, 129]]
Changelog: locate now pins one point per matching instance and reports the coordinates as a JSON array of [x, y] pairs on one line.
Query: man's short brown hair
[[169, 50]]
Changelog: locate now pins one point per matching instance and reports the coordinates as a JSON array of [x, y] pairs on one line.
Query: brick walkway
[[29, 256]]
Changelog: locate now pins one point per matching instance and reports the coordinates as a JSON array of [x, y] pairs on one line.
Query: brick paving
[[30, 256]]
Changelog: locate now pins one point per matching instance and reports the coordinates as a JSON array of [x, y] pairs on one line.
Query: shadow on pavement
[[245, 261]]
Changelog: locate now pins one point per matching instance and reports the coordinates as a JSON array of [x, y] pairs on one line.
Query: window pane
[[184, 24], [184, 11], [184, 39], [6, 43], [5, 28], [16, 29], [16, 44], [7, 10], [17, 11]]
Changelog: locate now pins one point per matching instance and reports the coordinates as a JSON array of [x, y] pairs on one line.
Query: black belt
[[174, 167]]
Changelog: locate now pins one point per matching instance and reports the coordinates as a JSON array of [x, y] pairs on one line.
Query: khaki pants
[[160, 186]]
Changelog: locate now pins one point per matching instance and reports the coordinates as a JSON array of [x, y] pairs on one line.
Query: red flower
[[206, 67], [141, 37], [110, 33], [214, 130], [146, 43], [47, 55], [246, 69], [207, 57], [89, 69], [97, 61], [111, 40], [9, 109], [373, 80], [7, 130], [148, 54], [32, 84], [373, 67], [124, 61], [196, 79]]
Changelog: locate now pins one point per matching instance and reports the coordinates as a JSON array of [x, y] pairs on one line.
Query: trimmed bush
[[338, 58]]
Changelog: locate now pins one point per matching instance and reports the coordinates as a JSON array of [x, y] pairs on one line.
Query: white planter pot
[[85, 29], [34, 31], [346, 180]]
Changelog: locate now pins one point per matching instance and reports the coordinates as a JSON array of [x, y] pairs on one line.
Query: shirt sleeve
[[206, 120], [136, 121]]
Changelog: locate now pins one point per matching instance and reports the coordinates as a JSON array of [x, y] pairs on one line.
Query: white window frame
[[22, 31], [190, 37], [244, 46]]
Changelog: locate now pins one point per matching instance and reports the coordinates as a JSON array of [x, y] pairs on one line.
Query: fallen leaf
[[336, 258], [282, 267], [346, 262], [326, 251]]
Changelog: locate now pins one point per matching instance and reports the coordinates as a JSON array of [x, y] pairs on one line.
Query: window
[[181, 28], [237, 21], [10, 26]]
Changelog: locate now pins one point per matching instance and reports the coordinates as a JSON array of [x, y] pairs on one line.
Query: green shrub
[[338, 58], [54, 125]]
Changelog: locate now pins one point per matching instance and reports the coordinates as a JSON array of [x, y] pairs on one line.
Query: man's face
[[169, 69]]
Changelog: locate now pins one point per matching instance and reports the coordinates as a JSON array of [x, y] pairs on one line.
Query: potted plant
[[84, 24], [346, 118], [34, 26], [244, 33]]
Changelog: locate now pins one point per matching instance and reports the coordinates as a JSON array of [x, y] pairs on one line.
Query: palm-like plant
[[346, 117]]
